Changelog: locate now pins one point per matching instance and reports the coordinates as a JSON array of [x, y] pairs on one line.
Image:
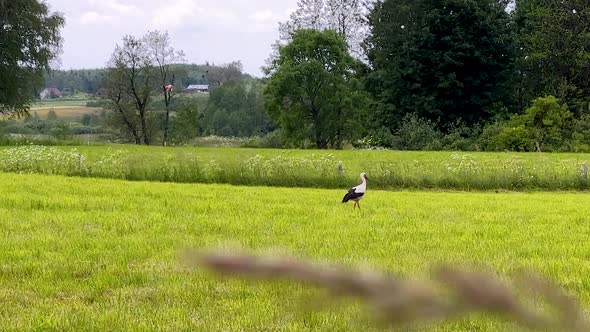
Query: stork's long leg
[[359, 205], [354, 205]]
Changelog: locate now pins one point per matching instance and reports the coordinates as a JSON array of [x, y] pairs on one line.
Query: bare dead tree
[[347, 17], [164, 56]]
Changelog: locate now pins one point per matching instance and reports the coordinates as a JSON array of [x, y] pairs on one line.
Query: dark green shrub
[[62, 131], [416, 133], [543, 127], [462, 138]]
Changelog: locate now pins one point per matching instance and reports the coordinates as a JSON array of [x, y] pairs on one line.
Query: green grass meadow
[[97, 254]]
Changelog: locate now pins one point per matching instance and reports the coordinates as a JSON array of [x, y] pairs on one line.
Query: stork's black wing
[[351, 194]]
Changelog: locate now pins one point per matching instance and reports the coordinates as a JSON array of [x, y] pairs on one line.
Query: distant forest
[[89, 81]]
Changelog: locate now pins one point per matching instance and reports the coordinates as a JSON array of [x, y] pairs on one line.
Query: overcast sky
[[218, 31]]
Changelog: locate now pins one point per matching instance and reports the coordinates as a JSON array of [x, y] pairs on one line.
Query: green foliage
[[51, 116], [462, 138], [30, 40], [219, 75], [272, 140], [36, 125], [141, 109], [186, 124], [381, 137], [3, 133], [80, 129], [236, 108], [547, 122], [62, 131], [508, 137], [437, 72], [312, 90], [129, 87], [90, 119], [416, 133], [544, 126], [581, 134], [555, 57], [446, 60], [91, 80], [71, 82], [38, 129]]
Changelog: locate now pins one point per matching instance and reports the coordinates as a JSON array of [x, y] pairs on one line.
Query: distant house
[[198, 88], [50, 93]]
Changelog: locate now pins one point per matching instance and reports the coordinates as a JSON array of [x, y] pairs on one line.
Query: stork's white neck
[[363, 186]]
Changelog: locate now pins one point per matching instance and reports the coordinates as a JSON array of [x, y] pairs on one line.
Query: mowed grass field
[[60, 102], [66, 113], [94, 254]]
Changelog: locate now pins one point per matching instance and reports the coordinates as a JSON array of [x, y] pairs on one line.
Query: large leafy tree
[[131, 81], [114, 97], [555, 56], [446, 60], [312, 92], [29, 41]]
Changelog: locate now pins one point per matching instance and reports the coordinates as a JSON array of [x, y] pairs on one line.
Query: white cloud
[[93, 17], [217, 31], [225, 15], [116, 7], [173, 14], [266, 16]]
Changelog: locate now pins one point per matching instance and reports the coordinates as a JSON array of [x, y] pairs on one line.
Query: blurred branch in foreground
[[455, 292]]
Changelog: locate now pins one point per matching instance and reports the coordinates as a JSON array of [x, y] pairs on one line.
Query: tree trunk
[[166, 125], [321, 144], [167, 98], [131, 127], [146, 138], [319, 141]]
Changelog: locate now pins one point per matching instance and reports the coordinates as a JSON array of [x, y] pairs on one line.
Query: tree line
[[141, 90], [426, 74], [468, 74], [89, 81]]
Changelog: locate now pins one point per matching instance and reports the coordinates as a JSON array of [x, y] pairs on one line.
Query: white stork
[[356, 193]]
